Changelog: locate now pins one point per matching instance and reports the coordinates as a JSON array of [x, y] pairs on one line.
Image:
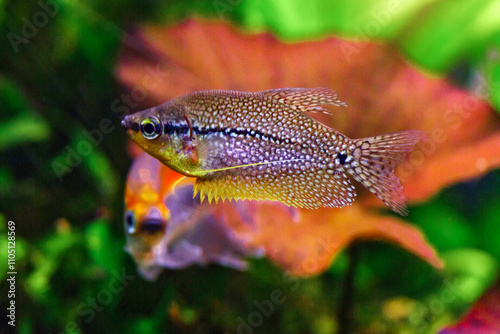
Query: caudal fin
[[375, 159]]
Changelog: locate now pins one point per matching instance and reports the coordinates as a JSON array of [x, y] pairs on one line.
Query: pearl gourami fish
[[265, 146], [166, 228]]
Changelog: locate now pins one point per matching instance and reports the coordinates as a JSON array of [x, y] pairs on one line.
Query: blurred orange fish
[[264, 146], [156, 239]]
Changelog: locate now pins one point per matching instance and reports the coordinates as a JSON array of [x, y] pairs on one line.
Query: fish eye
[[151, 127], [130, 222]]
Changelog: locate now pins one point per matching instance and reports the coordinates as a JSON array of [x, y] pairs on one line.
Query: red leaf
[[305, 242], [483, 318], [384, 94]]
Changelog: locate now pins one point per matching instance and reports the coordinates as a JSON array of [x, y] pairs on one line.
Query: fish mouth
[[130, 123], [152, 226]]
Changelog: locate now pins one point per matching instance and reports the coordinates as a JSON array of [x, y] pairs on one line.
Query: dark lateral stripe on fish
[[184, 128], [177, 128], [236, 132]]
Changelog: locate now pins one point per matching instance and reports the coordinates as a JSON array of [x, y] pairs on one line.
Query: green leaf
[[21, 124], [2, 11], [495, 87], [23, 129], [103, 174], [436, 34], [447, 32], [472, 272], [145, 326], [488, 225], [47, 261], [105, 250], [490, 75], [12, 99], [443, 225]]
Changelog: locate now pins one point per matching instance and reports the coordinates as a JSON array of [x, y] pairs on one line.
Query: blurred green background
[[59, 80]]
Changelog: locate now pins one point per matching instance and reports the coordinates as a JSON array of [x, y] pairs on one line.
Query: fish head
[[144, 233], [165, 133], [146, 215], [145, 129]]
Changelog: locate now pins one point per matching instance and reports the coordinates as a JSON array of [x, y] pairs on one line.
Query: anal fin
[[289, 186]]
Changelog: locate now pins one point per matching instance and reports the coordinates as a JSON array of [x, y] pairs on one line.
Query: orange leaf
[[384, 93], [305, 242]]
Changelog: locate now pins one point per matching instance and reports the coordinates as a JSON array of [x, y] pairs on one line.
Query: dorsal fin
[[306, 99]]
